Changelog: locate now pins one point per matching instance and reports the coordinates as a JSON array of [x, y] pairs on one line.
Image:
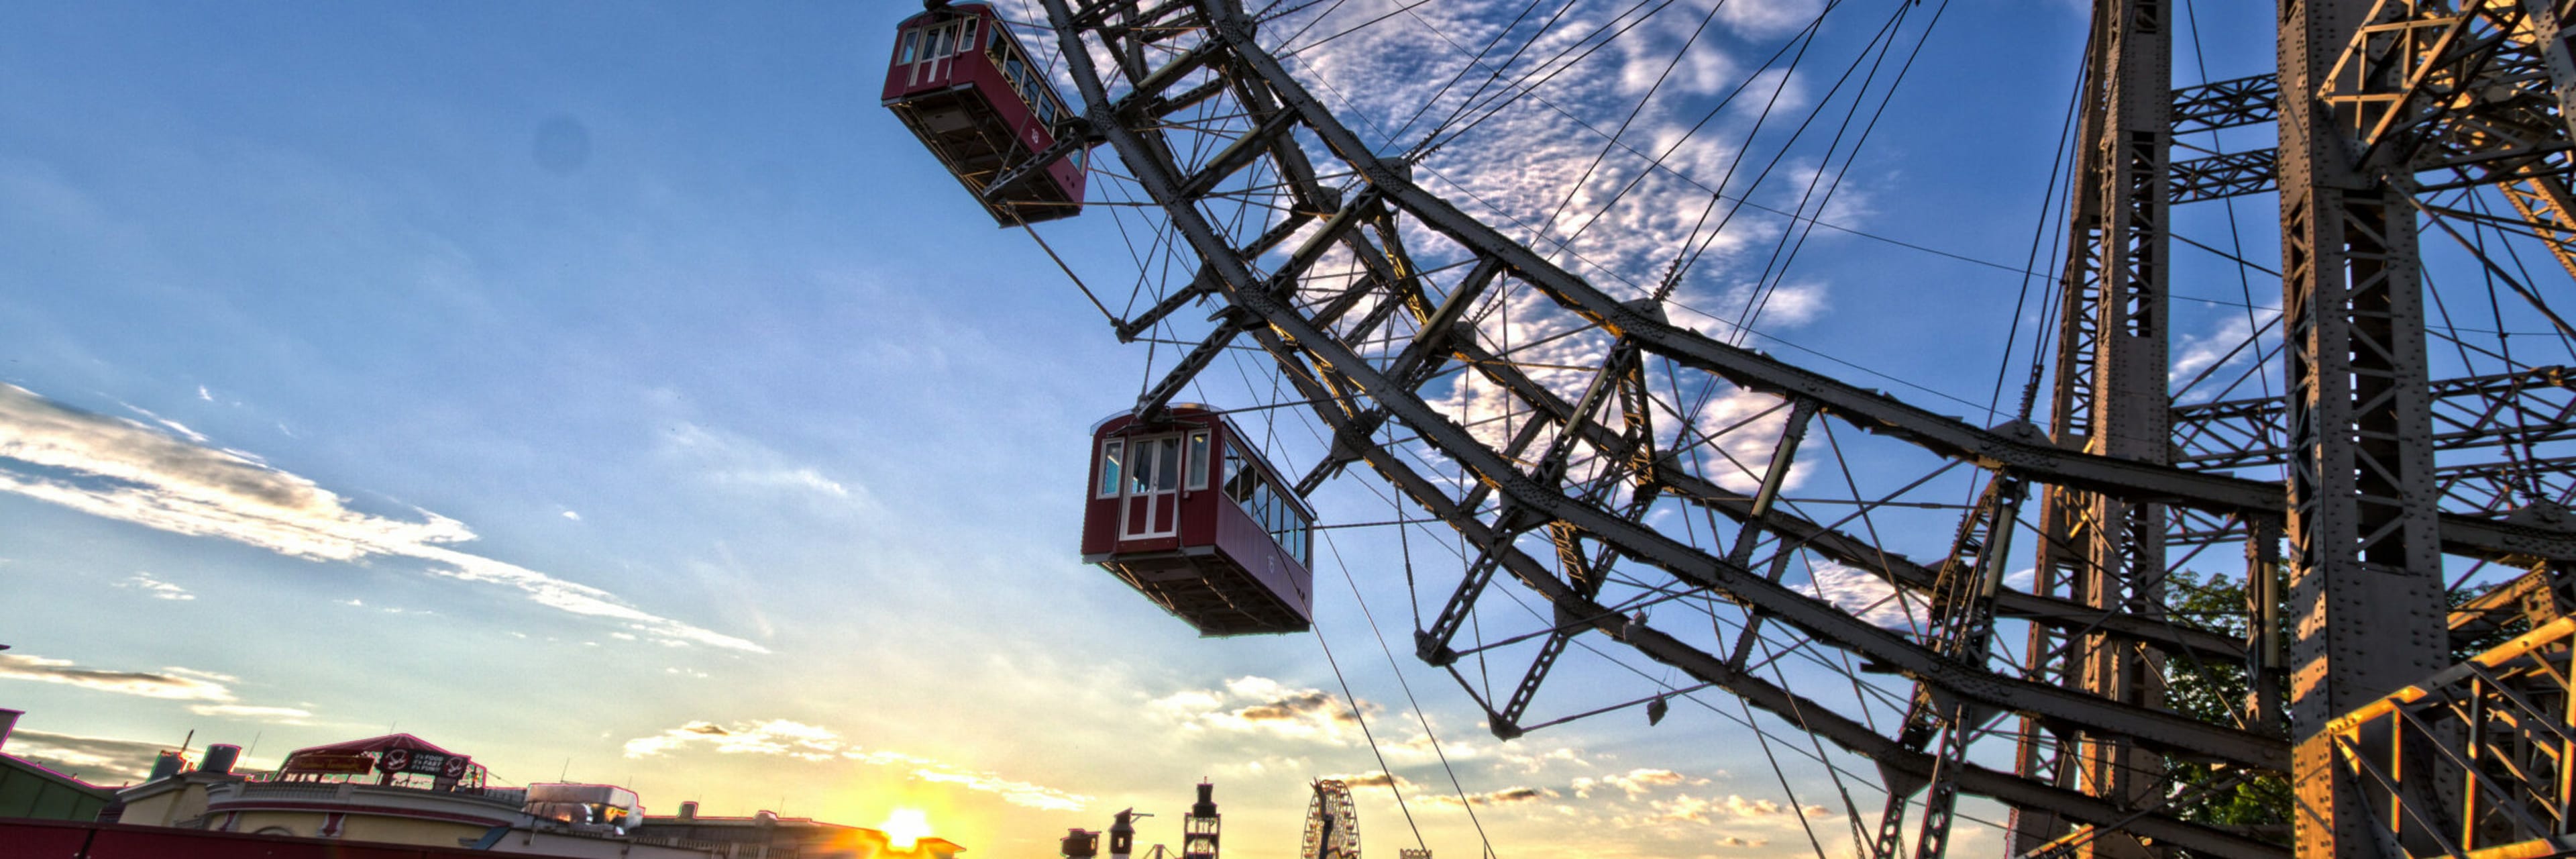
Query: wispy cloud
[[275, 715], [1379, 779], [174, 426], [94, 759], [1383, 780], [1254, 708], [1265, 707], [1748, 427], [214, 691], [1635, 783], [1529, 762], [124, 470], [1782, 305], [354, 602], [155, 588], [792, 739], [2226, 343], [1695, 809], [737, 462], [176, 684], [1871, 598], [1768, 17], [1018, 793], [1505, 796], [772, 737]]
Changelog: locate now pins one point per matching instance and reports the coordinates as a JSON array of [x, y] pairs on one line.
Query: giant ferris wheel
[[2265, 596]]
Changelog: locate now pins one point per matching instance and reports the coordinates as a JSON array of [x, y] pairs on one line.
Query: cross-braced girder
[[1295, 337], [1550, 481]]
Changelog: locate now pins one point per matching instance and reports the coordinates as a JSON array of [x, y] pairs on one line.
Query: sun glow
[[905, 827]]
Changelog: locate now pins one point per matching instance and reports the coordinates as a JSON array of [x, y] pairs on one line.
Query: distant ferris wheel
[[1332, 824], [2084, 608]]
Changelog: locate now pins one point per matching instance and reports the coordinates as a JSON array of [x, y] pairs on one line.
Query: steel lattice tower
[[1200, 830], [1362, 289]]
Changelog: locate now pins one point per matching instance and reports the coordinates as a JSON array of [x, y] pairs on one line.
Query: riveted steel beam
[[2162, 730]]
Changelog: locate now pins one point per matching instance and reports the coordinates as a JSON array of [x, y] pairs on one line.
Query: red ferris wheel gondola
[[971, 92], [1184, 510]]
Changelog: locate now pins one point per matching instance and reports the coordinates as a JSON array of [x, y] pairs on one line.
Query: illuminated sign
[[423, 763]]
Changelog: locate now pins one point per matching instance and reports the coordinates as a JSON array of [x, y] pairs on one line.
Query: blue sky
[[547, 379]]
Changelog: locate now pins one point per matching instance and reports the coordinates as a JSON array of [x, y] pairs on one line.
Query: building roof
[[49, 773], [755, 820], [384, 743], [801, 828], [29, 789]]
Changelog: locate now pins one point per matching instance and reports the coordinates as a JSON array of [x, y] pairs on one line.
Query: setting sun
[[905, 827]]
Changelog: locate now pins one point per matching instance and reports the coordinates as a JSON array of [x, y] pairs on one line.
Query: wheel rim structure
[[1332, 823], [1568, 478]]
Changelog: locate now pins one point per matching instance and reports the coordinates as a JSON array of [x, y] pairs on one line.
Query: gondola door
[[1150, 504]]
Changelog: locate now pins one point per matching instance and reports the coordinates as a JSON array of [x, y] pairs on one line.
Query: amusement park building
[[32, 790], [394, 793], [806, 837]]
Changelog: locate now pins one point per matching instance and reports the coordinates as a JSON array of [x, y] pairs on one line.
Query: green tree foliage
[[2214, 692]]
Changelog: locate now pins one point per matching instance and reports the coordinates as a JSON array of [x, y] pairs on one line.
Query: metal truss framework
[[2361, 514], [2477, 760], [2362, 550], [2102, 549]]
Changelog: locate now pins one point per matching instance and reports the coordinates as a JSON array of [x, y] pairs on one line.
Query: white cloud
[[1256, 708], [1749, 425], [1743, 808], [171, 425], [357, 603], [1635, 783], [1378, 779], [176, 684], [2196, 353], [1505, 796], [773, 737], [1779, 305], [738, 462], [1769, 17], [1869, 597], [206, 395], [572, 515], [122, 470], [1263, 707], [98, 760], [1695, 809], [791, 739], [1527, 762], [2022, 579], [1542, 172], [155, 588], [1018, 793], [282, 715], [1789, 305]]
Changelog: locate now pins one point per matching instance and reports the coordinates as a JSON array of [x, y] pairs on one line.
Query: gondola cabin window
[[1182, 510], [1112, 453], [1258, 495], [1195, 462], [970, 91]]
